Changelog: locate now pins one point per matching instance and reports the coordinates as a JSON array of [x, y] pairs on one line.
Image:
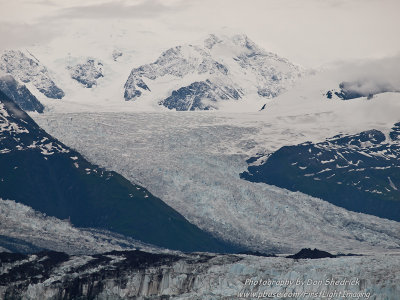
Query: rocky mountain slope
[[358, 172], [39, 171]]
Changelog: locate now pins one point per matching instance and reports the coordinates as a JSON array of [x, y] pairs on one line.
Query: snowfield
[[192, 161]]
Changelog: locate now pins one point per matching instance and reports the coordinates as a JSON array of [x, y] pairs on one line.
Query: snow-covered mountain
[[28, 69], [199, 77], [220, 72]]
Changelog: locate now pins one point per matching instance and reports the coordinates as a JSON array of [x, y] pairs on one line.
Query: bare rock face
[[307, 253], [87, 73], [217, 68], [199, 96], [30, 70], [116, 54]]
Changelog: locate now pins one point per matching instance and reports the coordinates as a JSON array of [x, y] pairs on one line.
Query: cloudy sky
[[308, 32]]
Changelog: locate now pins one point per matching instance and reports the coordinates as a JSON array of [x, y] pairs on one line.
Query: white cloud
[[18, 35], [119, 9], [371, 77]]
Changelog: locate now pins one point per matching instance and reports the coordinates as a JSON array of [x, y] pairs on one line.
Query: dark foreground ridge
[[41, 172]]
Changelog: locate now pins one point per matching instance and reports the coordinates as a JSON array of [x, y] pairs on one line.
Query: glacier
[[193, 161]]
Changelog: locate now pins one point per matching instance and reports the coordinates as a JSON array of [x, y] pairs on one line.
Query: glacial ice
[[192, 162]]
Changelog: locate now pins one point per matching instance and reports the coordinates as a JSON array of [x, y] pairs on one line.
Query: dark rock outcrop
[[307, 253], [87, 73], [199, 96]]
